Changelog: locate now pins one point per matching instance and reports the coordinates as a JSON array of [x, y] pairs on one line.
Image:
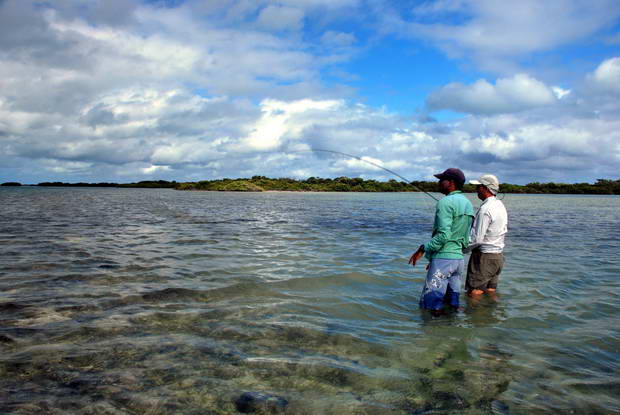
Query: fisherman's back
[[453, 219]]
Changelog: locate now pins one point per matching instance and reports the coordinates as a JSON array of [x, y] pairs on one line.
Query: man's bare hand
[[417, 255]]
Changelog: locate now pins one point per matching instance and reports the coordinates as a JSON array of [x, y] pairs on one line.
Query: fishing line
[[371, 163]]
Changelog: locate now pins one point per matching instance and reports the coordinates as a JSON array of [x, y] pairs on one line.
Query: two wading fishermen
[[454, 234]]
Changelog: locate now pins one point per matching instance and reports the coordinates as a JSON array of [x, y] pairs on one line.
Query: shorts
[[483, 270], [443, 283]]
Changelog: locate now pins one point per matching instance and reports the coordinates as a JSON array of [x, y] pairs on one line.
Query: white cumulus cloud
[[514, 94], [606, 77]]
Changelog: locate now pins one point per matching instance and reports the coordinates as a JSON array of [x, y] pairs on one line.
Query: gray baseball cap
[[490, 181]]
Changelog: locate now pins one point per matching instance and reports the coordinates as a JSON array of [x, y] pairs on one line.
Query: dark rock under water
[[6, 339], [250, 402]]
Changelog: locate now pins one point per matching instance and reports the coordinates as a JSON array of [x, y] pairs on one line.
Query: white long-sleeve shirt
[[489, 227]]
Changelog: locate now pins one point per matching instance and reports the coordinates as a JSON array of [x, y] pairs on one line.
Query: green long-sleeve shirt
[[453, 217]]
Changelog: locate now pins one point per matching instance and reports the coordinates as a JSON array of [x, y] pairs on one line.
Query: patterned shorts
[[443, 283]]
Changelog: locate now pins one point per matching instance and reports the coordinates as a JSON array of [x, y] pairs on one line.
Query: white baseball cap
[[489, 181]]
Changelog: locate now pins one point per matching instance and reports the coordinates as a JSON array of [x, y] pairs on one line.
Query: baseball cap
[[488, 180], [451, 174]]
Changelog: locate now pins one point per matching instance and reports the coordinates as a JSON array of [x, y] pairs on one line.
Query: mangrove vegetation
[[344, 184]]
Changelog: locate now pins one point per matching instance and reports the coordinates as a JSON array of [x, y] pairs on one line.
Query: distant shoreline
[[340, 184]]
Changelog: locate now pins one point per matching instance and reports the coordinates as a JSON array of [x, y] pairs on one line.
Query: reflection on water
[[156, 301]]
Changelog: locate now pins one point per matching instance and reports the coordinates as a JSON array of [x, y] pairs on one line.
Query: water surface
[[123, 301]]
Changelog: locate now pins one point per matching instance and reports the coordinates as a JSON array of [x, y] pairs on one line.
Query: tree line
[[344, 184]]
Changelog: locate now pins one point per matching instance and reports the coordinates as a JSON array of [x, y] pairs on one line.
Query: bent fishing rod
[[371, 163]]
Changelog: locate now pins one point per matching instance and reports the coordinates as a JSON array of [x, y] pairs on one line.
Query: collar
[[454, 192]]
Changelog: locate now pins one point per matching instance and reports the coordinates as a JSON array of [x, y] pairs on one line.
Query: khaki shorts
[[483, 270]]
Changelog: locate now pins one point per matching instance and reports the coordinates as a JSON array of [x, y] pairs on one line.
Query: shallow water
[[124, 301]]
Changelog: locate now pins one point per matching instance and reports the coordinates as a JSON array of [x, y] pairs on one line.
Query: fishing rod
[[372, 163]]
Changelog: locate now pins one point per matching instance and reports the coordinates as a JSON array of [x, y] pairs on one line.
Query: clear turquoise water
[[157, 301]]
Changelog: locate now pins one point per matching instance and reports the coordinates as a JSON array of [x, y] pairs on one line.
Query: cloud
[[161, 87], [178, 136], [321, 3], [338, 39], [155, 169], [281, 18], [363, 163], [67, 61], [560, 92], [552, 147], [521, 92], [606, 77], [267, 15], [71, 167], [282, 120], [496, 36]]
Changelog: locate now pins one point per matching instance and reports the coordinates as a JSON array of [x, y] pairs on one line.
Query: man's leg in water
[[483, 272], [435, 285], [443, 285], [495, 262], [454, 283]]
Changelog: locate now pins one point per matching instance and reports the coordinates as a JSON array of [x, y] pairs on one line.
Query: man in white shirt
[[486, 239]]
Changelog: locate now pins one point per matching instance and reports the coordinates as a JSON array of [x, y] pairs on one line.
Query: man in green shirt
[[453, 217]]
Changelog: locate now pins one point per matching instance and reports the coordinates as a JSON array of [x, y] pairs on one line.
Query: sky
[[129, 90]]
